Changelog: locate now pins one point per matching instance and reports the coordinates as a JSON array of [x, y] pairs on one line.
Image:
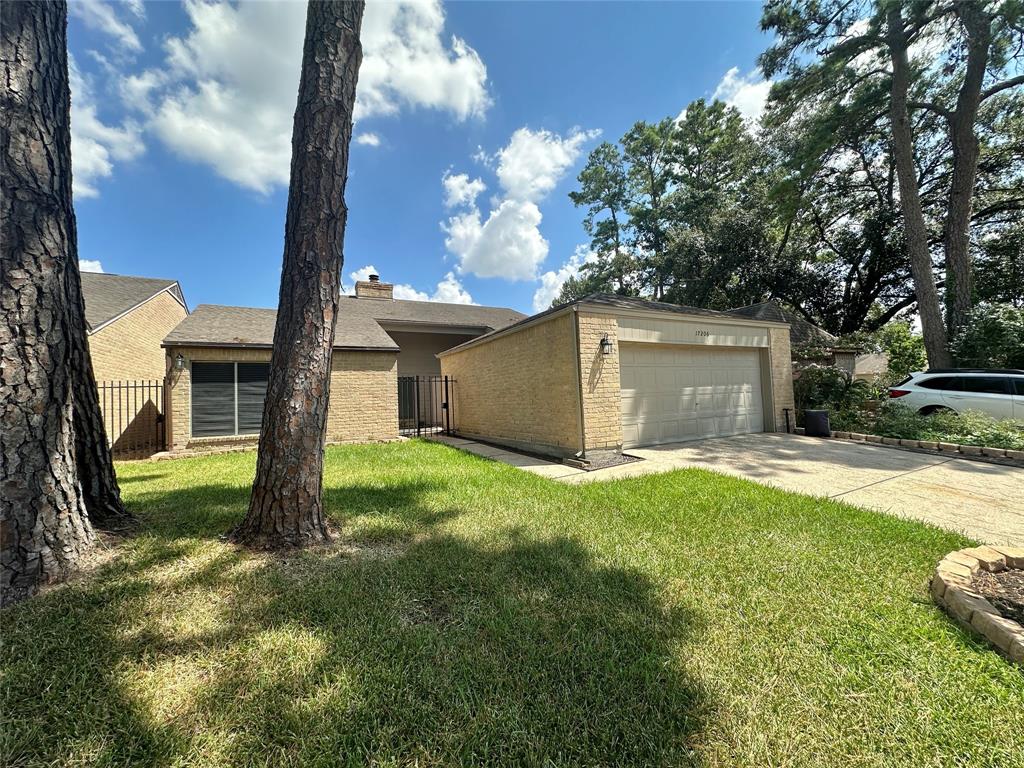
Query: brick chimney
[[374, 289]]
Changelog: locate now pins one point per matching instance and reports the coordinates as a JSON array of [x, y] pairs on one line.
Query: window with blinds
[[227, 398]]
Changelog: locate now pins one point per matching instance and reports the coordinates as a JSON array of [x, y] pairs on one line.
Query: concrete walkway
[[984, 501]]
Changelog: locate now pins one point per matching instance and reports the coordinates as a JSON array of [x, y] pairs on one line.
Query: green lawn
[[473, 614]]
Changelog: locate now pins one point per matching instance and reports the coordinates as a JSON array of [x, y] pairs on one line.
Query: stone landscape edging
[[951, 590], [934, 446]]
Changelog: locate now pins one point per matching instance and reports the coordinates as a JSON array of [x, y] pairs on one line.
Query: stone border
[[965, 451], [951, 590]]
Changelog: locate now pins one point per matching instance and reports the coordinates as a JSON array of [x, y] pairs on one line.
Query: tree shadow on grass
[[211, 510], [518, 649]]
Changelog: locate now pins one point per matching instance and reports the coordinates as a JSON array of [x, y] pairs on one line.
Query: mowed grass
[[473, 614]]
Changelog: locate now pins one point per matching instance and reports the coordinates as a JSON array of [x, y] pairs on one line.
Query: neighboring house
[[609, 372], [127, 318], [870, 366], [219, 363], [810, 344]]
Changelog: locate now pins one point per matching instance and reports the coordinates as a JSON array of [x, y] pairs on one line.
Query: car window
[[1018, 385], [939, 382], [992, 385]]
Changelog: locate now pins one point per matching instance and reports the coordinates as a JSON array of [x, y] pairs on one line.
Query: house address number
[[701, 333]]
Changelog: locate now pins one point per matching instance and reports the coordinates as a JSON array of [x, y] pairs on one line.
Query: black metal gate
[[133, 414], [425, 405]]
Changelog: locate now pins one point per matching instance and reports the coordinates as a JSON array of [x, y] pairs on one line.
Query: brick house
[[127, 317], [609, 372], [600, 374], [218, 364]]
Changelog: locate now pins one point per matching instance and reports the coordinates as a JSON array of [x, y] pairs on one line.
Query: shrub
[[993, 337], [891, 419], [904, 348], [827, 387]]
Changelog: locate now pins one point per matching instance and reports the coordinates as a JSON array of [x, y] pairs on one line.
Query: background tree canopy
[[805, 207]]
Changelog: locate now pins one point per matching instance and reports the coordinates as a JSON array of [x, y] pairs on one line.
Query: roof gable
[[107, 296]]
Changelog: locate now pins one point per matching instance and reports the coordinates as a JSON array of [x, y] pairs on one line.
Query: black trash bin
[[816, 424]]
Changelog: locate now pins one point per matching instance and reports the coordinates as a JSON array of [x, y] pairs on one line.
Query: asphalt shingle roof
[[432, 312], [358, 325], [610, 300], [801, 332], [108, 296], [634, 302]]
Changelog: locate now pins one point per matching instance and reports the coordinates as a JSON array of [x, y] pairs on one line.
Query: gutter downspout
[[579, 380]]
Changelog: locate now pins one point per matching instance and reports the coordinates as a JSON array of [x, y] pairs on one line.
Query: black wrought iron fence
[[133, 414], [425, 405]]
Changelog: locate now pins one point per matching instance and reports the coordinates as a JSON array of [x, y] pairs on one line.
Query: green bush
[[891, 419], [993, 337], [896, 339], [829, 388]]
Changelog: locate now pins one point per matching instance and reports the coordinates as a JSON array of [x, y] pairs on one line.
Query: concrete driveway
[[985, 501]]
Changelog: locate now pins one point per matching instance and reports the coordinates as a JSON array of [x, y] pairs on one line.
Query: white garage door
[[670, 394]]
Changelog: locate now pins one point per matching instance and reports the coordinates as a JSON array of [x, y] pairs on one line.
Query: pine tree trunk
[[286, 506], [959, 270], [92, 451], [928, 307], [44, 526]]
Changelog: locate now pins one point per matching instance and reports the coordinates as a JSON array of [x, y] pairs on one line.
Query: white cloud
[[407, 63], [551, 282], [449, 290], [226, 94], [363, 273], [102, 17], [747, 93], [89, 265], [481, 157], [460, 190], [95, 145], [533, 162], [508, 242], [137, 7], [368, 139]]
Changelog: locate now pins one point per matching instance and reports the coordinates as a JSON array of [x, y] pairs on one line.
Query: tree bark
[[935, 339], [959, 270], [44, 526], [286, 506], [92, 451]]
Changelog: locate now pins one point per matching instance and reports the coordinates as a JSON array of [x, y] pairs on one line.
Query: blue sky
[[473, 120]]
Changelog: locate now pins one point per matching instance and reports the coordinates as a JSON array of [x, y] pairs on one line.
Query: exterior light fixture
[[606, 345], [179, 362]]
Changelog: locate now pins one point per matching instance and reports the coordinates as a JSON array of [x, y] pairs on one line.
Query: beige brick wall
[[520, 389], [364, 395], [129, 348], [602, 398], [780, 359]]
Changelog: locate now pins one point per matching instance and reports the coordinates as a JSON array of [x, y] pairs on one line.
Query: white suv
[[999, 393]]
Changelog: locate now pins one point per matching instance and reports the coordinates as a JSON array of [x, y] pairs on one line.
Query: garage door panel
[[672, 394]]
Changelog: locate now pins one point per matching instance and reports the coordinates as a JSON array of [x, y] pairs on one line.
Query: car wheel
[[933, 409]]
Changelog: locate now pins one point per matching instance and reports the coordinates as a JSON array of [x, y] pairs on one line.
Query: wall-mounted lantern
[[606, 345], [179, 362]]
